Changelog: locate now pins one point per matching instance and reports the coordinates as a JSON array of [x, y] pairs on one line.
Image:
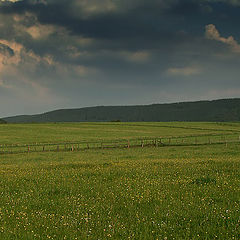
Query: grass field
[[187, 192], [61, 132]]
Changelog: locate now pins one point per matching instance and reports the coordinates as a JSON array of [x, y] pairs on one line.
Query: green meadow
[[172, 192], [63, 132]]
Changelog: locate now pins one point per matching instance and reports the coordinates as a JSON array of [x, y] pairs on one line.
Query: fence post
[[43, 148], [142, 144], [128, 144]]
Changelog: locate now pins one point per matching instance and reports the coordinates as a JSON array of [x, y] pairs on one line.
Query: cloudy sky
[[76, 53]]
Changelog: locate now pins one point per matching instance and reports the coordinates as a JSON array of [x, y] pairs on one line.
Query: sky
[[58, 54]]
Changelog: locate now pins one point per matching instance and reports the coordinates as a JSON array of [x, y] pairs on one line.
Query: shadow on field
[[204, 181]]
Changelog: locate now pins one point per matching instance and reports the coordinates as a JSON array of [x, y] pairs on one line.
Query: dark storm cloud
[[147, 18], [92, 52], [147, 24], [104, 25], [144, 25]]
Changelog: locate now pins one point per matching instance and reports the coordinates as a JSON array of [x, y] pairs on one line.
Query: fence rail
[[192, 140]]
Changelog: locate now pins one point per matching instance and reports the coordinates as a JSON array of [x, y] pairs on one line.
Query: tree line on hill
[[2, 121], [215, 111]]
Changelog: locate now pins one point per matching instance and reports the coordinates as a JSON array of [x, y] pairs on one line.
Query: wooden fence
[[192, 140]]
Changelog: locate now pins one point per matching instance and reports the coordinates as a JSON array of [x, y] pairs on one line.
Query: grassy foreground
[[150, 193]]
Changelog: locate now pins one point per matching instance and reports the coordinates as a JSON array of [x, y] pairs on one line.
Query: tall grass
[[150, 193]]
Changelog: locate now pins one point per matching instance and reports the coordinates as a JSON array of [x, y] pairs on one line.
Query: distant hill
[[216, 110]]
